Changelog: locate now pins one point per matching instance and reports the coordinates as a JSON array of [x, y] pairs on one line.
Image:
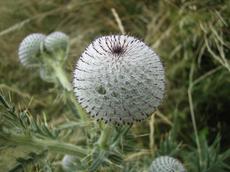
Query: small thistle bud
[[119, 79], [166, 164], [57, 41], [30, 48], [68, 163]]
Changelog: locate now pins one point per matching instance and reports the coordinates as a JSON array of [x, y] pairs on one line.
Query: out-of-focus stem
[[105, 135], [63, 80], [61, 76], [82, 113], [193, 114], [152, 133], [51, 145]]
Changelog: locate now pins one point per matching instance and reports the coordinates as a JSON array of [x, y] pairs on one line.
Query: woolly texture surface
[[166, 164], [57, 41], [29, 49], [119, 79]]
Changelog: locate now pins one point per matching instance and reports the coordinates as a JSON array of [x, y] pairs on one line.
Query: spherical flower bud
[[166, 164], [119, 79], [57, 41], [68, 163], [29, 49]]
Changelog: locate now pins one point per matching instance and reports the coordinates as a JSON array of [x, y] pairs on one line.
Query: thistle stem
[[105, 135], [61, 76], [63, 80], [193, 114], [82, 113], [51, 145]]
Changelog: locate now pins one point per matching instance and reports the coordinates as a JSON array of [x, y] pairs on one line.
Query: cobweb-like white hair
[[119, 79], [166, 164]]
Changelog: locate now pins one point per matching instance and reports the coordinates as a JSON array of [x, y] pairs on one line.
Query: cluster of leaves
[[13, 124], [212, 158], [23, 123], [29, 162], [21, 129]]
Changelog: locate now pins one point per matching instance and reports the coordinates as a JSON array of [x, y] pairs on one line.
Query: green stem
[[122, 132], [63, 80], [82, 113], [61, 76], [106, 134], [59, 72], [192, 113], [51, 145]]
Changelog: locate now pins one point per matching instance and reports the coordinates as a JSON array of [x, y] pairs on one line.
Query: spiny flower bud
[[69, 163], [57, 41], [30, 48], [166, 164], [119, 79]]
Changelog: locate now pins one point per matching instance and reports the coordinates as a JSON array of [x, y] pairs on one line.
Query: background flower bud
[[29, 49], [166, 164], [57, 41]]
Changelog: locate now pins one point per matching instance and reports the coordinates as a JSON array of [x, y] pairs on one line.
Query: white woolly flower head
[[119, 79], [57, 41], [166, 164], [29, 49]]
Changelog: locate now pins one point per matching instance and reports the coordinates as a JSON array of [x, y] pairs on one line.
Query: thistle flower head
[[166, 164], [30, 48], [119, 79], [57, 41]]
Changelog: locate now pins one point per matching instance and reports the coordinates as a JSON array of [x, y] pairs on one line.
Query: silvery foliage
[[119, 79], [29, 49], [166, 164]]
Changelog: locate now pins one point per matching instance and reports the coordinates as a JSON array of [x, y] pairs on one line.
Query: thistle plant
[[38, 133], [166, 164], [119, 79], [56, 48], [48, 54]]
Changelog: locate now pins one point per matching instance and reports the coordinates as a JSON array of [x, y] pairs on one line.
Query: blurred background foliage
[[192, 38]]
